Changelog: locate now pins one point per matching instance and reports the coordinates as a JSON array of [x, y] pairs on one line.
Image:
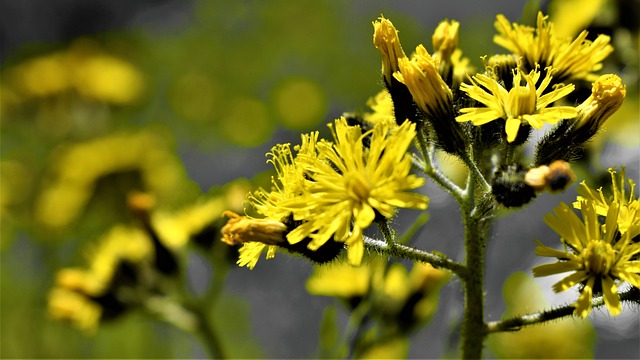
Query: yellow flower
[[382, 107], [385, 38], [607, 94], [572, 59], [600, 261], [445, 39], [428, 89], [445, 42], [348, 183], [629, 212], [241, 230], [524, 103], [250, 253]]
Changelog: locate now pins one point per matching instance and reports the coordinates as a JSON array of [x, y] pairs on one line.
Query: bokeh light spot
[[300, 103]]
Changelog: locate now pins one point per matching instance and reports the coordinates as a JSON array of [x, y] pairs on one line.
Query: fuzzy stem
[[517, 322], [426, 166], [405, 252], [476, 221]]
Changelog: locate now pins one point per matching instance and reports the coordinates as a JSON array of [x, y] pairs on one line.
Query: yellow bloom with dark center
[[573, 59], [600, 260], [385, 38], [524, 103], [428, 89], [629, 212], [348, 183]]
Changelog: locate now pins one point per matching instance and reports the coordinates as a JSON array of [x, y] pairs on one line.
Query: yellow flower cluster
[[601, 256], [332, 190], [572, 59]]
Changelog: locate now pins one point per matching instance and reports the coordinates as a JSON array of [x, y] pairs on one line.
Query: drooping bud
[[241, 229], [567, 140], [607, 95]]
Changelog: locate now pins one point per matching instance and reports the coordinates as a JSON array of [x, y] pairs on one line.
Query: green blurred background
[[198, 92]]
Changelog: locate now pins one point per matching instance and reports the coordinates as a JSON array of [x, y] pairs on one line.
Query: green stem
[[473, 326], [426, 166], [405, 252], [476, 221], [517, 322]]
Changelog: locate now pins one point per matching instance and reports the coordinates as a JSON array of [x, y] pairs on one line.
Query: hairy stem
[[406, 252], [517, 322]]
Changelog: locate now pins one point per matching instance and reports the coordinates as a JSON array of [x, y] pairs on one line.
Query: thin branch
[[439, 178], [406, 252], [516, 323]]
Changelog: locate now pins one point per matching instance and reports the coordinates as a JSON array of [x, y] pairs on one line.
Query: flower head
[[348, 183], [607, 94], [382, 107], [629, 206], [599, 258], [385, 38], [428, 89], [241, 229], [572, 59], [523, 103]]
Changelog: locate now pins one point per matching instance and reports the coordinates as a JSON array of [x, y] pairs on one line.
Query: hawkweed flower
[[382, 107], [629, 206], [429, 91], [599, 257], [524, 103], [349, 183], [445, 42], [566, 141], [607, 94], [572, 59], [241, 229], [385, 39]]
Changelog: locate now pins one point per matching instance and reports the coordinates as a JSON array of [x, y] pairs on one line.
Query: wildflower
[[382, 107], [445, 42], [429, 91], [629, 206], [522, 104], [349, 183], [566, 141], [445, 39], [250, 253], [599, 258], [572, 59], [385, 38], [607, 94], [241, 229]]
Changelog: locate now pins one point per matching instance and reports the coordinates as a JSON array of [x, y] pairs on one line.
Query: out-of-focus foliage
[[561, 339]]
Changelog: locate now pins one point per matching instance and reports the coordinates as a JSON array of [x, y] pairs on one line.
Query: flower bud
[[445, 42], [607, 95], [241, 229], [509, 187], [555, 177], [566, 141], [385, 38]]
